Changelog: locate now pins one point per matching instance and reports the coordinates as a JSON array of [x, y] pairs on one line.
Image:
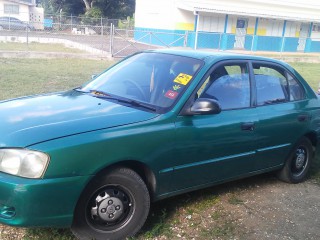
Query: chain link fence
[[89, 36], [116, 38]]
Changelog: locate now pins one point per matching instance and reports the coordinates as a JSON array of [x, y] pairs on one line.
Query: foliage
[[94, 12], [69, 7], [97, 8], [126, 24]]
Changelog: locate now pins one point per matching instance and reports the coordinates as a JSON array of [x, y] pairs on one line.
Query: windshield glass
[[155, 79]]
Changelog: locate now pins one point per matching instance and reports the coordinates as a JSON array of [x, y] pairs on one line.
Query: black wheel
[[112, 207], [298, 163]]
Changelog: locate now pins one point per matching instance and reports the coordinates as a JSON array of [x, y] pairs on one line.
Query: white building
[[24, 10], [259, 25]]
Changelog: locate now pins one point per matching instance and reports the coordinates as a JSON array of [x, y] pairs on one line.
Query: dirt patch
[[260, 207], [275, 210]]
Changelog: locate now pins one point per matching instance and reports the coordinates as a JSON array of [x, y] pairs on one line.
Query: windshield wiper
[[104, 95], [79, 89]]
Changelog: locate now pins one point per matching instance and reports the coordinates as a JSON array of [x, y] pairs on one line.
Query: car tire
[[114, 206], [298, 163]]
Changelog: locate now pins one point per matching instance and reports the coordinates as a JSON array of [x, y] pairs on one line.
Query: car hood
[[30, 120]]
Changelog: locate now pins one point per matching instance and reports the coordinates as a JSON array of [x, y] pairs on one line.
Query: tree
[[112, 8], [88, 4], [69, 7], [97, 8]]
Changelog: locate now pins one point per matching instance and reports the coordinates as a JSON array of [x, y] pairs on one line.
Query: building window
[[11, 8], [316, 28]]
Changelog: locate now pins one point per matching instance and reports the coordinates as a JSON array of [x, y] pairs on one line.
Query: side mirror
[[203, 106]]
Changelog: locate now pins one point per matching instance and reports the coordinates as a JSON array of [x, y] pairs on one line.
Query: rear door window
[[275, 85]]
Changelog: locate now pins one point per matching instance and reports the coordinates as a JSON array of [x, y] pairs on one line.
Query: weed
[[315, 168], [225, 230], [216, 215], [234, 200], [159, 225], [48, 234], [39, 47]]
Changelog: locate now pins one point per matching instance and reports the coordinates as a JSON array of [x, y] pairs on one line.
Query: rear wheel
[[112, 207], [298, 163]]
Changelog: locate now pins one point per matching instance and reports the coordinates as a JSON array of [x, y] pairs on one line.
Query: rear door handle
[[303, 118], [247, 126]]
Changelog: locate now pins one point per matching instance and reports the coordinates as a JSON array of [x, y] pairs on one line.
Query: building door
[[241, 31], [304, 33]]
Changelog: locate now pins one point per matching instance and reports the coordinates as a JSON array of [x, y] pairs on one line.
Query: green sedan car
[[157, 124]]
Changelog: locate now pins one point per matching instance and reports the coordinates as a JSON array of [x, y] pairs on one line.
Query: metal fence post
[[185, 42], [101, 23], [282, 44], [27, 29], [252, 43], [111, 39]]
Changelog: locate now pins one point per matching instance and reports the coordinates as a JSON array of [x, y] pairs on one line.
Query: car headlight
[[23, 162]]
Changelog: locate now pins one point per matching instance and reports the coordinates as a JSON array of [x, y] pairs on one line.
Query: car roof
[[213, 55]]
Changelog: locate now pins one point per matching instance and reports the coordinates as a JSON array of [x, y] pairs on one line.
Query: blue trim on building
[[310, 29], [208, 40], [226, 23], [248, 42], [162, 37], [290, 44], [196, 22], [284, 28], [312, 46], [256, 26], [159, 37], [266, 43]]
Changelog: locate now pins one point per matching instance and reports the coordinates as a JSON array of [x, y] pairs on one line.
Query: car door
[[281, 107], [211, 148]]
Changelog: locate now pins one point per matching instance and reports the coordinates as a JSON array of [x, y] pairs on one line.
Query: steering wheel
[[133, 83]]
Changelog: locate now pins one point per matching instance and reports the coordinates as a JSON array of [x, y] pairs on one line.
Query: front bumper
[[39, 202]]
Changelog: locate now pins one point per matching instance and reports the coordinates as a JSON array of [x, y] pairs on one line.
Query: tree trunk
[[88, 4]]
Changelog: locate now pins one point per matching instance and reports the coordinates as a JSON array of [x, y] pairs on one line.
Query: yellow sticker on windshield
[[183, 78]]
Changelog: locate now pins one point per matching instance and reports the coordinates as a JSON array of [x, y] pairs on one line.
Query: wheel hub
[[110, 209], [300, 159]]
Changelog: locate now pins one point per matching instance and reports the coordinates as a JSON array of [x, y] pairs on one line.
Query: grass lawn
[[37, 47], [19, 77]]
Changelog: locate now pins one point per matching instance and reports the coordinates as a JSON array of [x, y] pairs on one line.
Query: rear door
[[283, 119]]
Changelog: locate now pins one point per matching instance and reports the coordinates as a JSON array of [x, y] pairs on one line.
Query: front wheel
[[297, 165], [112, 207]]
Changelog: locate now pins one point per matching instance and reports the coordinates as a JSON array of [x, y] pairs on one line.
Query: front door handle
[[247, 126]]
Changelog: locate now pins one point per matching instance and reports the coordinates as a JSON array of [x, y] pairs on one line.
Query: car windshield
[[154, 79]]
